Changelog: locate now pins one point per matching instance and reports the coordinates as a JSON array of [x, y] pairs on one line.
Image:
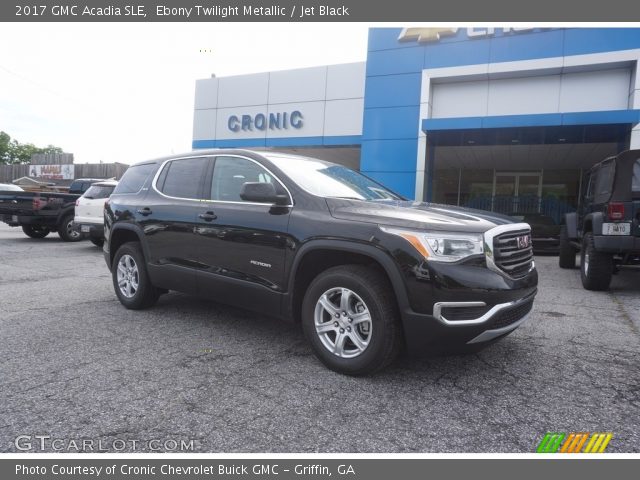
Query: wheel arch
[[121, 234], [319, 255]]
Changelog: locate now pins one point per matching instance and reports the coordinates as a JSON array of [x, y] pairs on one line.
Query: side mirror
[[262, 193]]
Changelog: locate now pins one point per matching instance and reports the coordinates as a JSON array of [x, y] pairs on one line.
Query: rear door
[[241, 245], [167, 218]]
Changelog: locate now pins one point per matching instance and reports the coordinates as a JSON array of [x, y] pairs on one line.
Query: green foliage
[[12, 151]]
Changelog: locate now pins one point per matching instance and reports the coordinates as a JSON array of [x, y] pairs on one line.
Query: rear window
[[635, 183], [134, 178], [99, 191]]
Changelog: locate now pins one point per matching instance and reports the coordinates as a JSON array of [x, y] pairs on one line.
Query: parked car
[[364, 270], [545, 233], [40, 213], [89, 211], [10, 187], [606, 227]]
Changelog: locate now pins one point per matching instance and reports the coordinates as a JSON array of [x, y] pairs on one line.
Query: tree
[[12, 151]]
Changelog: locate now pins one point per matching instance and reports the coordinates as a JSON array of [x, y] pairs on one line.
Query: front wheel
[[350, 317], [66, 230], [35, 231], [130, 278], [596, 268]]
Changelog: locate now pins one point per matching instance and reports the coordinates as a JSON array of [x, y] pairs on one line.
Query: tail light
[[77, 202], [37, 203], [615, 211]]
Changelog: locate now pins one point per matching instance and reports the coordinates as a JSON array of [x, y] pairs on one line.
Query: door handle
[[208, 216], [144, 211]]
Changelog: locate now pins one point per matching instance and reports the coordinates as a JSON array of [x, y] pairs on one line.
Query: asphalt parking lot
[[75, 366]]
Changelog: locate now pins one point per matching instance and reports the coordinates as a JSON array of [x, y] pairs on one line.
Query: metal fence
[[551, 206]]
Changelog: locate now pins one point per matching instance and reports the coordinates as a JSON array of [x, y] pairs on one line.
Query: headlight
[[441, 246]]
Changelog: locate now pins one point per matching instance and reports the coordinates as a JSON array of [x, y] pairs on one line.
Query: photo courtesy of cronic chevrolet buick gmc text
[[365, 271]]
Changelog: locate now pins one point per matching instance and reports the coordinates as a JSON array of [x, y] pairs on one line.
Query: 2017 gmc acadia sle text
[[365, 271]]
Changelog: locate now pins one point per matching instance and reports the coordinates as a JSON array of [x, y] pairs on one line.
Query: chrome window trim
[[205, 200], [438, 306], [490, 234]]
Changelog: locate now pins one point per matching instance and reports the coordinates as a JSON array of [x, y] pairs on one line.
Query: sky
[[124, 92]]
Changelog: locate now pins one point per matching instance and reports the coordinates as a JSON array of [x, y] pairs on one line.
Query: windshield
[[330, 180]]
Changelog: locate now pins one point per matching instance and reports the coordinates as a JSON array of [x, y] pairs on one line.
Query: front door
[[239, 243]]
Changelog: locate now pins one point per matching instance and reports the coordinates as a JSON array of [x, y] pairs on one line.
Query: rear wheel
[[350, 317], [130, 279], [66, 230], [35, 231], [596, 267], [567, 256]]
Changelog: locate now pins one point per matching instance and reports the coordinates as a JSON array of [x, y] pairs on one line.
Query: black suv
[[606, 227], [365, 271]]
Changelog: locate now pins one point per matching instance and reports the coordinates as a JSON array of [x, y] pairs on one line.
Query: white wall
[[568, 92], [330, 98]]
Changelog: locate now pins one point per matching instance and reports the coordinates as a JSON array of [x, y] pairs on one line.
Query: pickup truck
[[40, 213], [365, 271]]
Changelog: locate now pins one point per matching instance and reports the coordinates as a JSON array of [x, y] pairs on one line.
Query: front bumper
[[432, 334]]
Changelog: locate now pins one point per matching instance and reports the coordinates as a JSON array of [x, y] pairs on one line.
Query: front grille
[[510, 255], [508, 316]]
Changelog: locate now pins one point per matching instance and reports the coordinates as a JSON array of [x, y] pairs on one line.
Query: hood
[[416, 215]]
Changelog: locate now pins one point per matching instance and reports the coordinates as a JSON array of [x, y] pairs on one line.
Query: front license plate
[[616, 229], [14, 218], [84, 228]]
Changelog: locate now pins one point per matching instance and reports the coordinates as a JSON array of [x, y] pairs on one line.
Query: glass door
[[517, 192]]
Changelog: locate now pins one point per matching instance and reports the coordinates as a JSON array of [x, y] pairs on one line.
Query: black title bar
[[319, 11]]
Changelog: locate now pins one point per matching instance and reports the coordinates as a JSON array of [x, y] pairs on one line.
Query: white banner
[[53, 172]]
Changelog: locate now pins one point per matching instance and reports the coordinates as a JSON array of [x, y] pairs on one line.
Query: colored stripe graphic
[[550, 443], [573, 442], [598, 443]]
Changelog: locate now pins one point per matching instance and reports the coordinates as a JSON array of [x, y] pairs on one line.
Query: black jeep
[[606, 227]]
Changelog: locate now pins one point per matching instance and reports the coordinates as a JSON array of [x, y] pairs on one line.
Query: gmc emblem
[[523, 241]]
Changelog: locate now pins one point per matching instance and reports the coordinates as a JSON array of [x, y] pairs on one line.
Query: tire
[[35, 231], [130, 278], [372, 343], [66, 230], [596, 267], [98, 242], [567, 254]]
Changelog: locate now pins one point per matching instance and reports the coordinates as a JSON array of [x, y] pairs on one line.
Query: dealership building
[[504, 119]]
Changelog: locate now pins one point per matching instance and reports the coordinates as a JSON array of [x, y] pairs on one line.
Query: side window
[[635, 181], [134, 178], [589, 191], [603, 183], [181, 178], [231, 173]]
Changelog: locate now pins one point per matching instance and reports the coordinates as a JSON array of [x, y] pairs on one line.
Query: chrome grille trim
[[502, 255]]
